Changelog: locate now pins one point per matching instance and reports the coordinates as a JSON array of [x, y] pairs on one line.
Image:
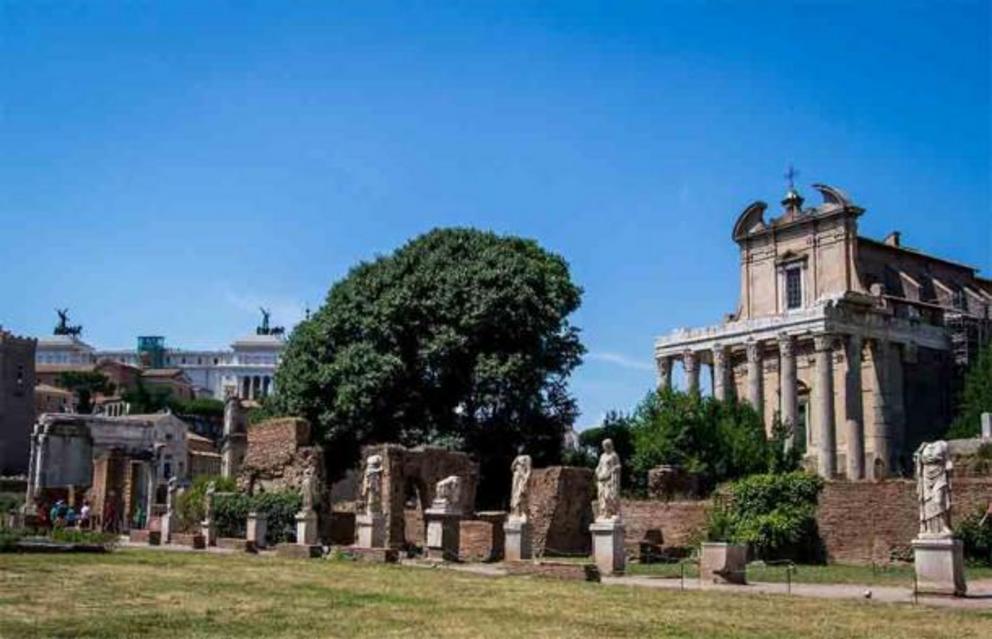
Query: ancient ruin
[[937, 556]]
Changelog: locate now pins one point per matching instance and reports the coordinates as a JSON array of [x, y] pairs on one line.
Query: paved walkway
[[979, 591]]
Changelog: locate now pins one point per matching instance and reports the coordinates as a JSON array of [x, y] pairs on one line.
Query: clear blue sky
[[168, 167]]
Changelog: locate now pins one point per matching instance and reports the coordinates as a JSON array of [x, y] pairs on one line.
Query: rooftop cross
[[791, 176]]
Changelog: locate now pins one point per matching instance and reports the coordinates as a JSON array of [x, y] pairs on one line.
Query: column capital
[[824, 341], [721, 354], [689, 360], [786, 344], [753, 350]]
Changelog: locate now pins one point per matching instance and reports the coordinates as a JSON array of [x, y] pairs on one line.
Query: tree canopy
[[976, 397], [86, 385], [459, 338]]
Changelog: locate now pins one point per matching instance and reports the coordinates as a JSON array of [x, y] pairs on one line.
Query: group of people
[[62, 515]]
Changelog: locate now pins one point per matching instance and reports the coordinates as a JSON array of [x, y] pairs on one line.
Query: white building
[[247, 369]]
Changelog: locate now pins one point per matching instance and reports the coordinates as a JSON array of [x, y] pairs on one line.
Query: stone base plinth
[[443, 534], [209, 531], [144, 536], [565, 571], [235, 543], [306, 528], [607, 547], [517, 545], [299, 551], [723, 563], [256, 530], [168, 525], [370, 531], [371, 555], [939, 565]]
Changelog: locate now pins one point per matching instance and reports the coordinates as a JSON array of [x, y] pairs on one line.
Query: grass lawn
[[150, 594], [894, 575]]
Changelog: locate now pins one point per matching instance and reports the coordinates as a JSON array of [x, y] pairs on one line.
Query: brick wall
[[678, 521], [560, 510], [274, 442], [864, 522]]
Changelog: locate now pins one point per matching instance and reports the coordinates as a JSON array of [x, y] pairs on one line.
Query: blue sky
[[168, 167]]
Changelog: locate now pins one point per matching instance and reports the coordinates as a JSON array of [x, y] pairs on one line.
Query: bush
[[717, 440], [977, 537], [9, 539], [774, 514], [189, 505], [231, 512]]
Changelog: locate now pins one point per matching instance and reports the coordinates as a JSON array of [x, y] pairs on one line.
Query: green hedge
[[977, 537], [775, 515], [231, 512]]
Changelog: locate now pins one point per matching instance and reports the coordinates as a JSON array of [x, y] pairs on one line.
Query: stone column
[[721, 370], [691, 364], [854, 417], [664, 364], [788, 402], [151, 469], [823, 406], [754, 376]]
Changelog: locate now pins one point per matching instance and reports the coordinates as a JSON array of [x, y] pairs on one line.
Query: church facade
[[857, 346]]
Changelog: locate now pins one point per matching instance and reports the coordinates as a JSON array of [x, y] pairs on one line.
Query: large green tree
[[976, 397], [85, 385], [460, 338]]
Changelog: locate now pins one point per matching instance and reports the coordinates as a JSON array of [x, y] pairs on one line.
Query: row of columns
[[823, 408], [254, 386]]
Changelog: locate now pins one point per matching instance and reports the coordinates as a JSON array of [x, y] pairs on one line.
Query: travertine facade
[[857, 344]]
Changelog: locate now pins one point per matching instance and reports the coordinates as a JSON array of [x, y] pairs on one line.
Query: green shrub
[[774, 514], [9, 502], [189, 505], [280, 508], [977, 537], [73, 536], [9, 539]]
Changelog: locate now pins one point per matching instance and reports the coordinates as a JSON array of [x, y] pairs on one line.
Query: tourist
[[84, 514]]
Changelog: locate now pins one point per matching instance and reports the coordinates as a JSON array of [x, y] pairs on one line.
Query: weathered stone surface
[[939, 565], [306, 528], [443, 535], [370, 531], [676, 523], [372, 555], [560, 510], [411, 475], [480, 540], [235, 543], [193, 540], [567, 571], [145, 536], [608, 547], [723, 563], [299, 551], [519, 544], [280, 452]]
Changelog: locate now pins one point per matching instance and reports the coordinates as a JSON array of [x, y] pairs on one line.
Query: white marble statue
[[208, 502], [448, 492], [521, 468], [372, 485], [608, 483], [308, 488], [933, 488], [170, 495]]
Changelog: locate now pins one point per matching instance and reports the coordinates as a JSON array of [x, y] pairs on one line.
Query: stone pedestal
[[168, 525], [607, 547], [256, 529], [517, 546], [306, 528], [209, 531], [939, 564], [723, 563], [443, 534], [370, 531]]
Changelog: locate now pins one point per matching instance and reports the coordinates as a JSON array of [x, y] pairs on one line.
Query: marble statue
[[308, 490], [372, 485], [933, 488], [449, 491], [521, 479], [170, 495], [608, 483], [208, 502]]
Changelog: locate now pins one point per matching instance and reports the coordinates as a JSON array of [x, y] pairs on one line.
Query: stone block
[[560, 510], [257, 529], [306, 528], [299, 551], [371, 555], [234, 543], [986, 425], [565, 571], [193, 540], [723, 563], [480, 540], [144, 536], [607, 547], [443, 535], [370, 531], [209, 531], [518, 544], [939, 565]]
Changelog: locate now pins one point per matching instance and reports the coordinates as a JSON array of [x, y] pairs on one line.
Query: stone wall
[[865, 522], [279, 452], [409, 477], [561, 510], [679, 521]]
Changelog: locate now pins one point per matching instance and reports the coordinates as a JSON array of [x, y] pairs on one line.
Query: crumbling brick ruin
[[561, 510], [409, 477], [279, 452]]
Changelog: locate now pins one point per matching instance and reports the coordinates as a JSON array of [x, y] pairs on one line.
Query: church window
[[793, 288]]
